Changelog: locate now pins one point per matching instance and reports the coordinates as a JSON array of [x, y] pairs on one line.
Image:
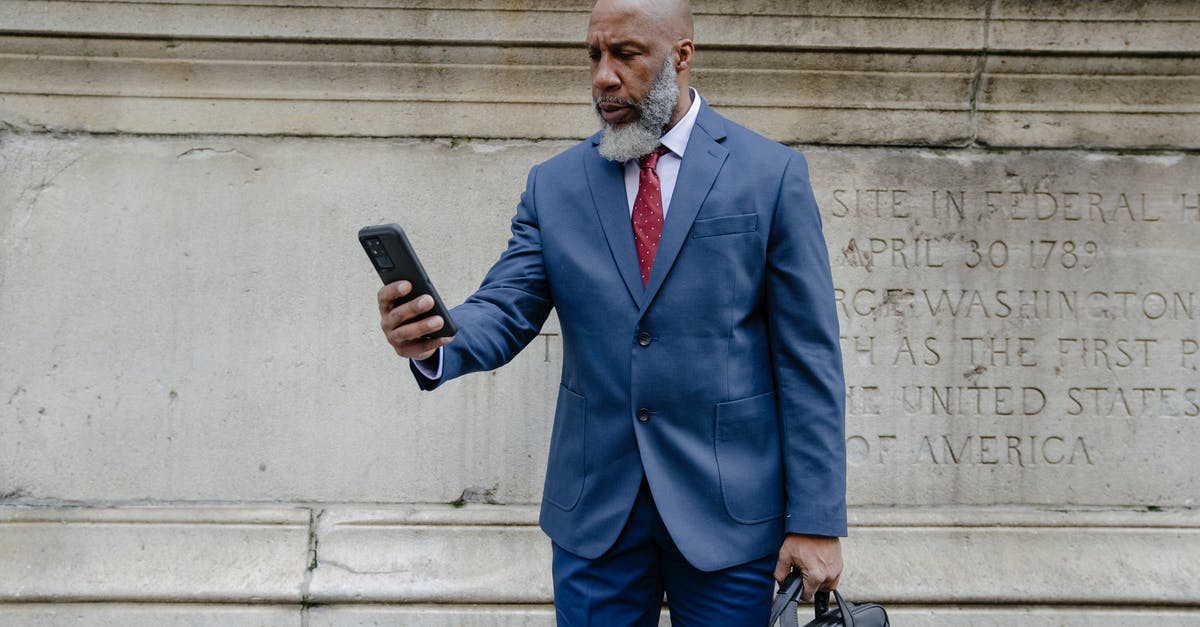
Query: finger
[[422, 349], [783, 567], [827, 583], [812, 583], [833, 573], [389, 293], [406, 312], [417, 330]]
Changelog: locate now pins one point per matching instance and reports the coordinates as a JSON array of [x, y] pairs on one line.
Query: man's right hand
[[401, 331]]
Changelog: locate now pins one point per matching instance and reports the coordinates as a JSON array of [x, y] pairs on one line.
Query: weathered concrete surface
[[224, 343], [210, 331]]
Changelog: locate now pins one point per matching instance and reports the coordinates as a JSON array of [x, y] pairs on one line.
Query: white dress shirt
[[676, 140]]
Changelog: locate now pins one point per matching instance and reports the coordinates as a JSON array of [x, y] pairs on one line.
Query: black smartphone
[[394, 259]]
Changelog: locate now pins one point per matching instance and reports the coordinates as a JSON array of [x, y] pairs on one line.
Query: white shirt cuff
[[431, 367]]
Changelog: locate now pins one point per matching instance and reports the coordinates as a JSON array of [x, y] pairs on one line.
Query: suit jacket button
[[643, 415], [643, 339]]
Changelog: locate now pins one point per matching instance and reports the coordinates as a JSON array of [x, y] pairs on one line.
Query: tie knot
[[650, 161]]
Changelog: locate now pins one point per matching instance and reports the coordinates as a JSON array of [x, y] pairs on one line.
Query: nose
[[604, 78]]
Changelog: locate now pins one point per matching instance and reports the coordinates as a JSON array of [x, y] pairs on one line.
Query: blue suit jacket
[[720, 382]]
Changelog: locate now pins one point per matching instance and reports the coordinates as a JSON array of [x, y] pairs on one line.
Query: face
[[627, 49]]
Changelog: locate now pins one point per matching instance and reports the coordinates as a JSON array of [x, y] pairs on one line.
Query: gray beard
[[640, 137]]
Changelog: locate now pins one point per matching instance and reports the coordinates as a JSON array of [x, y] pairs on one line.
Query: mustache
[[625, 102]]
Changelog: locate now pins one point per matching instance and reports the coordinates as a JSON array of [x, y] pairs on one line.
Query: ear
[[685, 51]]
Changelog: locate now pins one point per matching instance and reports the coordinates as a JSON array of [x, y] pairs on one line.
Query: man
[[698, 443]]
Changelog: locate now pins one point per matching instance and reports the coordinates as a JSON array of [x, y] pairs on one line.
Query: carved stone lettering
[[1104, 207], [1018, 323]]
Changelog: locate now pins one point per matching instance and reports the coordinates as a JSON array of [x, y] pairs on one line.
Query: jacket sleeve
[[508, 309], [806, 359]]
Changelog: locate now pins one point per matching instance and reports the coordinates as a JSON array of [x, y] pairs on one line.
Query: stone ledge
[[1161, 28], [137, 86], [867, 72], [496, 554], [1074, 27], [1160, 551], [433, 554], [772, 23], [153, 553]]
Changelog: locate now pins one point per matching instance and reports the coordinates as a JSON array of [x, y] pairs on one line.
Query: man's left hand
[[819, 559]]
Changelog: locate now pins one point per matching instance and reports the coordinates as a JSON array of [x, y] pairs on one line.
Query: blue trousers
[[625, 586]]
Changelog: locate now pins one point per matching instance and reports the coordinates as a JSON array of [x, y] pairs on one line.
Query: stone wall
[[200, 424]]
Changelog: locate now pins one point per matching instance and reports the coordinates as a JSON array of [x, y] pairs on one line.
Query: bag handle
[[787, 603]]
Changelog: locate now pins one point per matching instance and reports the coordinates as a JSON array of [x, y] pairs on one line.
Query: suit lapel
[[607, 182], [697, 173], [701, 162]]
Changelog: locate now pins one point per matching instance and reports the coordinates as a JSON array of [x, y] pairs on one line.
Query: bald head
[[673, 18]]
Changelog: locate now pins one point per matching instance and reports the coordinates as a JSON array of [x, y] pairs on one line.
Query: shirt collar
[[677, 138]]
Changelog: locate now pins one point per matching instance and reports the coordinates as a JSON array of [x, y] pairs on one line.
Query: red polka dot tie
[[648, 212]]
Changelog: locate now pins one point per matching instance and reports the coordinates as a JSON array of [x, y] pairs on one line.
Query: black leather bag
[[787, 605]]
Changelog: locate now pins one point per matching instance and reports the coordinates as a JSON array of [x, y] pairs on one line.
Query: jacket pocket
[[725, 225], [567, 466], [749, 458]]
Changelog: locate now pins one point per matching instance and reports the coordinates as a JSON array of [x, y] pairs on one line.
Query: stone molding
[[198, 554], [479, 554], [1002, 73]]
